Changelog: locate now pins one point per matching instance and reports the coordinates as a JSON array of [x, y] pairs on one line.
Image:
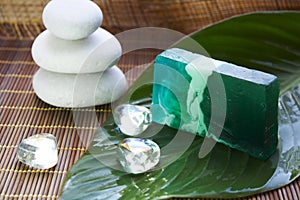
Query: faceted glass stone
[[138, 155], [132, 119], [39, 151]]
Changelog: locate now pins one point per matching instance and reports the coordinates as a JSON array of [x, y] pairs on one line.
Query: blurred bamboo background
[[185, 16]]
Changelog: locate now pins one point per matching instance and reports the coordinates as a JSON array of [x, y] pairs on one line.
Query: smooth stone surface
[[249, 105], [95, 53], [81, 90], [39, 151], [138, 155], [132, 119], [72, 19]]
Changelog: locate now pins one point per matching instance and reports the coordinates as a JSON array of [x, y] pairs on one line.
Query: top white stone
[[72, 19]]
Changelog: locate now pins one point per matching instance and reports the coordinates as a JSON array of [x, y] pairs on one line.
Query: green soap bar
[[201, 95]]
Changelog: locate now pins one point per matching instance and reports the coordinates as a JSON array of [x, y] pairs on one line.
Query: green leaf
[[266, 41]]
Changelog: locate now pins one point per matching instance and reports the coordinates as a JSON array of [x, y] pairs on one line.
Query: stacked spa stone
[[77, 58]]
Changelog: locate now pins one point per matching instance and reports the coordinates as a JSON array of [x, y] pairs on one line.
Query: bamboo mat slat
[[22, 114]]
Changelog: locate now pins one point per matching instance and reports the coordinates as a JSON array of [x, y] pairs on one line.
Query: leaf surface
[[265, 41]]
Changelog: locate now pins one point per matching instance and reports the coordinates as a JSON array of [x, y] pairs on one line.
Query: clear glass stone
[[132, 119], [39, 151], [138, 155]]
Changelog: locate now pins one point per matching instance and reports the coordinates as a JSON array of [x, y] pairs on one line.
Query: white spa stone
[[79, 90], [95, 53], [72, 19]]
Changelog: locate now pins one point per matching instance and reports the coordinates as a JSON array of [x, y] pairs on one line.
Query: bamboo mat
[[22, 114]]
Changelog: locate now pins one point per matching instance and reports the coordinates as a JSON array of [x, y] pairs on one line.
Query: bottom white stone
[[79, 90]]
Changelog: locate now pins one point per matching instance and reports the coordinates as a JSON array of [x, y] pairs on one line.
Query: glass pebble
[[39, 151], [138, 155], [132, 119]]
